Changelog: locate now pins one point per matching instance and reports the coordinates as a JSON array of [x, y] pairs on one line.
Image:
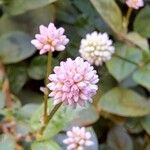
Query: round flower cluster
[[74, 82], [77, 139], [96, 48], [136, 4], [50, 39]]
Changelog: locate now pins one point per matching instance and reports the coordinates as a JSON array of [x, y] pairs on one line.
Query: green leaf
[[86, 116], [60, 120], [37, 68], [133, 125], [28, 96], [45, 145], [124, 102], [15, 7], [142, 76], [104, 147], [34, 18], [17, 76], [2, 100], [118, 139], [120, 66], [15, 47], [142, 22], [22, 128], [28, 110], [107, 82], [110, 12], [138, 40], [94, 19], [145, 121], [7, 142]]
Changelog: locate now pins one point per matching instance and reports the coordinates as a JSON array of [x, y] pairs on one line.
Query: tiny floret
[[73, 82], [96, 48], [78, 139], [135, 4], [50, 39]]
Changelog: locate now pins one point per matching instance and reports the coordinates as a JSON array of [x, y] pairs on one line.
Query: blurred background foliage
[[119, 118]]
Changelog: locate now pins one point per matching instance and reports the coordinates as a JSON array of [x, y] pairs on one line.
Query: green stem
[[129, 12], [54, 110], [127, 18], [46, 82], [127, 60], [50, 116]]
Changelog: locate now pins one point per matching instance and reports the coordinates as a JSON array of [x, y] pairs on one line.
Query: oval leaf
[[15, 47], [124, 102], [110, 12], [146, 123], [17, 76], [138, 40], [119, 66], [37, 68], [15, 7], [118, 139], [142, 76], [142, 22]]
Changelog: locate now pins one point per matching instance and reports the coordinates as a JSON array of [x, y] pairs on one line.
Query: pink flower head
[[78, 139], [50, 39], [136, 4], [74, 82]]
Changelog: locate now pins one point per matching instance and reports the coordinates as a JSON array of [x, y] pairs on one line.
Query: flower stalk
[[127, 18], [46, 82], [54, 110]]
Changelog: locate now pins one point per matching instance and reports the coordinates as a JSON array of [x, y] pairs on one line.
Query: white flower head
[[78, 139], [136, 4], [96, 48]]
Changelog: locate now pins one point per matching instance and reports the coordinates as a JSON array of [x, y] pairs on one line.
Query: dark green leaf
[[142, 22], [110, 12], [118, 139], [15, 7], [37, 68], [15, 47], [124, 102], [133, 125], [120, 66], [17, 76], [27, 96], [142, 76], [146, 123]]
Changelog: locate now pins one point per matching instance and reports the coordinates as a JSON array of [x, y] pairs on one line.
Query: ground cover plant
[[74, 75]]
